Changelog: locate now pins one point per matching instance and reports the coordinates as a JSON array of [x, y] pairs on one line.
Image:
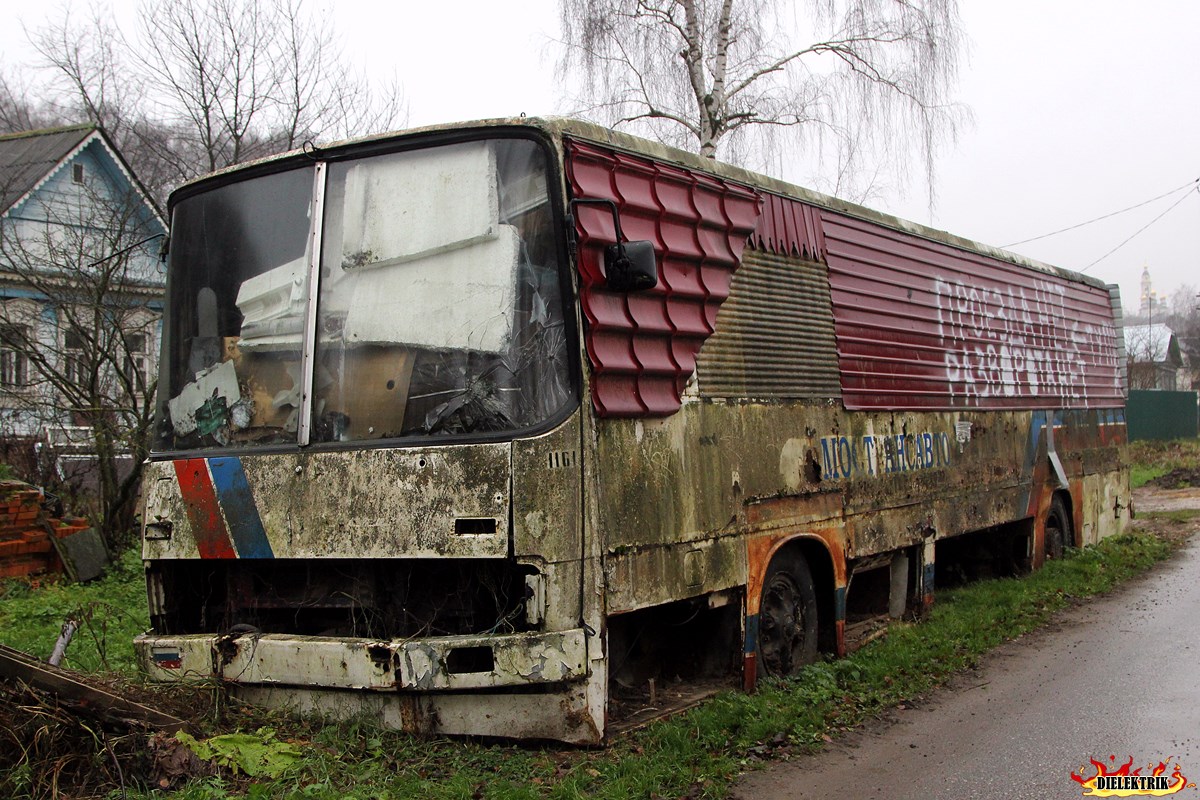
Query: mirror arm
[[628, 266], [612, 206]]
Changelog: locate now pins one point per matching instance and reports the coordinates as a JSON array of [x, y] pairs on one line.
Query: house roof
[[1152, 344], [26, 158]]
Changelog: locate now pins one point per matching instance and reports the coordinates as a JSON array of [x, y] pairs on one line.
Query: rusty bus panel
[[443, 473], [433, 663], [325, 505], [774, 336]]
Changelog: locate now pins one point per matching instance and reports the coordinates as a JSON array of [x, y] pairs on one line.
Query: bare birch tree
[[199, 85], [86, 60], [854, 79], [1184, 320]]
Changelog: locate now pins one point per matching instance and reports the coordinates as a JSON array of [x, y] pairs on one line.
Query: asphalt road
[[1117, 676]]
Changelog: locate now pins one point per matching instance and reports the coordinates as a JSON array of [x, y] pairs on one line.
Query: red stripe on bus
[[208, 525]]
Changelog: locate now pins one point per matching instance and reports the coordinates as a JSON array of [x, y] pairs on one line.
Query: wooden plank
[[864, 631], [634, 713], [87, 699]]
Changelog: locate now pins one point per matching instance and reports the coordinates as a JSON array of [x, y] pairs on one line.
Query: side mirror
[[628, 266]]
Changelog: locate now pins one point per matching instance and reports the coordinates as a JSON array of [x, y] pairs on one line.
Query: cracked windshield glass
[[439, 304]]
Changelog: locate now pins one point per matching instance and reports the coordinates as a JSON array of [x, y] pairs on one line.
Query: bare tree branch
[[198, 85], [857, 80], [78, 342]]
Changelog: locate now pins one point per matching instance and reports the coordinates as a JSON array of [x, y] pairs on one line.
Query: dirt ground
[[1150, 499], [1179, 478]]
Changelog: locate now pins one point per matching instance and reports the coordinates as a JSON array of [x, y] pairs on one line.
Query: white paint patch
[[791, 458], [535, 524]]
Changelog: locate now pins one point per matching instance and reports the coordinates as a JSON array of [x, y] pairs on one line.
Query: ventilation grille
[[774, 335]]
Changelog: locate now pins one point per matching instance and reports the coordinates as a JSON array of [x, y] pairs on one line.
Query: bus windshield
[[438, 305]]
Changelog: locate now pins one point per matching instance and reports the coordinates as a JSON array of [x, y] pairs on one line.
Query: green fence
[[1153, 414]]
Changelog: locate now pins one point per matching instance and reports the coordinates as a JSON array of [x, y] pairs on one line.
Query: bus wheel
[[1058, 534], [787, 617]]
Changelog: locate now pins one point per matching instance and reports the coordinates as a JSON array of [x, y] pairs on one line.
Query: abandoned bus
[[483, 429]]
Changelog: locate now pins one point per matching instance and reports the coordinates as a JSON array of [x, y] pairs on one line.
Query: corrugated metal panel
[[775, 335], [788, 227], [1114, 293], [921, 324], [642, 346]]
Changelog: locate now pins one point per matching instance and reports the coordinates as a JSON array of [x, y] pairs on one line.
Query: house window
[[136, 365], [77, 173], [14, 367], [73, 360]]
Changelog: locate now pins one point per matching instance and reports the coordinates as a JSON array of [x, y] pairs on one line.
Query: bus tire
[[1058, 534], [787, 616]]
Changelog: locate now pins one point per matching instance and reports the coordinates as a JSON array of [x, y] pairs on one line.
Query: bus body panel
[[809, 379]]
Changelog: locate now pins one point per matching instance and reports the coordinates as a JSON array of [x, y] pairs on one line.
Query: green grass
[[698, 754], [1153, 459], [1141, 474], [111, 611], [693, 755]]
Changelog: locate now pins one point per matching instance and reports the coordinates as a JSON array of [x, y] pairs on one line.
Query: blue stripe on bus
[[241, 512], [1037, 426], [751, 633]]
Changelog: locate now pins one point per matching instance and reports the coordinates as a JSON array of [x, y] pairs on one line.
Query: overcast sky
[[1082, 108]]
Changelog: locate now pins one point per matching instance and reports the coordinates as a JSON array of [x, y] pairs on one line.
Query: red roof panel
[[919, 324], [642, 346]]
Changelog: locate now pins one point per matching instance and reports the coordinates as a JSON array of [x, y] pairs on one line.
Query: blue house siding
[[58, 201], [58, 190]]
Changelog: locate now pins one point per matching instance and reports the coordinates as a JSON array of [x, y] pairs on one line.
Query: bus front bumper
[[431, 664]]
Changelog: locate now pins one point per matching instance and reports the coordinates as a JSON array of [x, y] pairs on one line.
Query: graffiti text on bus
[[847, 456], [1018, 342]]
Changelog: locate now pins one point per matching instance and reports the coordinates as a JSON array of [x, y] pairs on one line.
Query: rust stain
[[803, 508], [760, 549]]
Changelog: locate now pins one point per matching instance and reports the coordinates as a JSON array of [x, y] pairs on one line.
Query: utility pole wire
[[1138, 231], [1187, 185]]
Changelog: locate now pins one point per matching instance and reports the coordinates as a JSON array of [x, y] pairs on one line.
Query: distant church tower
[[1149, 300]]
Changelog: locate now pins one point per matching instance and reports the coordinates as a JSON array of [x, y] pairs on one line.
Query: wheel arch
[[1068, 504], [825, 557]]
